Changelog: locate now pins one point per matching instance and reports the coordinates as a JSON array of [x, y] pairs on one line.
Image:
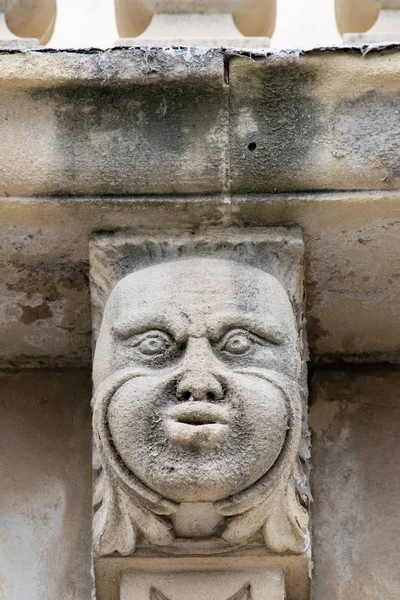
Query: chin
[[182, 489]]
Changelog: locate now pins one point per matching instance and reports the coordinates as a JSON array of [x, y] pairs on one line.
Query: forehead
[[205, 285]]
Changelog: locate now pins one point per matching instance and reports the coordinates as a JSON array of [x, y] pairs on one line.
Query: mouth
[[199, 413], [197, 424]]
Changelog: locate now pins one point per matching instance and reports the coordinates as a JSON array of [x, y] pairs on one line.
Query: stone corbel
[[199, 404]]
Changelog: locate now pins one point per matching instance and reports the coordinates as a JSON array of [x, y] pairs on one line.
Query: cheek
[[134, 409], [264, 410], [284, 359]]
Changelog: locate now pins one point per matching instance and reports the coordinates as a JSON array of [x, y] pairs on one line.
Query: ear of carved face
[[193, 349]]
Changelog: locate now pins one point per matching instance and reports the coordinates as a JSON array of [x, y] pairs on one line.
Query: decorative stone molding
[[253, 584], [265, 572], [242, 23], [26, 24], [199, 389], [368, 21]]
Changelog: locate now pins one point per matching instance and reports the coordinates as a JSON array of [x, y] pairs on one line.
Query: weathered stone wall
[[355, 423], [45, 465], [180, 140], [184, 124]]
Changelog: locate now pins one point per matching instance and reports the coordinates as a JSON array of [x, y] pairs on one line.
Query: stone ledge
[[120, 122], [351, 299], [323, 121], [144, 120]]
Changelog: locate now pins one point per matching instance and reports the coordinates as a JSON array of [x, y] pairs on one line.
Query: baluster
[[26, 23], [243, 23], [368, 21]]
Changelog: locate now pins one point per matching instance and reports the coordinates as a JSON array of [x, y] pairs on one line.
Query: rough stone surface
[[45, 464], [178, 121], [278, 250], [355, 424], [317, 121], [351, 300], [198, 392], [351, 274], [117, 122], [44, 265]]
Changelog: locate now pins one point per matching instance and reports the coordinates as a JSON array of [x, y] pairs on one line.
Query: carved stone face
[[199, 420]]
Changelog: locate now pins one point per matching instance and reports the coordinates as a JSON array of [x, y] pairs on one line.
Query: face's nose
[[198, 380]]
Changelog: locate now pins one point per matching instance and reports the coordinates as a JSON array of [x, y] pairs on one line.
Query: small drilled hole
[[252, 146]]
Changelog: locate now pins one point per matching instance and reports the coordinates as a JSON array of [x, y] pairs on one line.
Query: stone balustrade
[[243, 23], [240, 23], [368, 21]]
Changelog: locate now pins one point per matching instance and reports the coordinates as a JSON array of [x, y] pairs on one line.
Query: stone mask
[[196, 401]]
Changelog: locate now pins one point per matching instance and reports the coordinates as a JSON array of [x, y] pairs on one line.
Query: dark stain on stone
[[49, 278], [122, 139], [315, 330], [30, 314], [274, 122], [81, 358]]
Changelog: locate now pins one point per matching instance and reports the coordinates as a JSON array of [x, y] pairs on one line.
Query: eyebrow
[[143, 321], [264, 325]]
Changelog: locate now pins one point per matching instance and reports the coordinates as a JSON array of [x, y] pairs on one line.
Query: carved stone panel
[[204, 585], [198, 392]]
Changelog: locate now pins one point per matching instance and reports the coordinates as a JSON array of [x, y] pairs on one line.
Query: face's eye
[[237, 342], [153, 343]]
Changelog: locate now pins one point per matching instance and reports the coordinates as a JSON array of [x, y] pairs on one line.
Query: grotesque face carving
[[194, 414], [199, 421]]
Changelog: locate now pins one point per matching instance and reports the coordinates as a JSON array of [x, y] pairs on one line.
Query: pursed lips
[[198, 413]]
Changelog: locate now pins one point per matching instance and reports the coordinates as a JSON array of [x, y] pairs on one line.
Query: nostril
[[186, 396]]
